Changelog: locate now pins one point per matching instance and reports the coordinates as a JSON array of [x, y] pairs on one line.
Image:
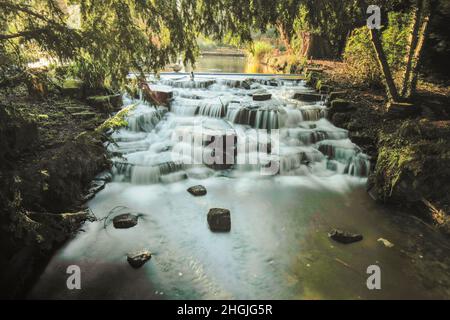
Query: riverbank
[[409, 148], [50, 153]]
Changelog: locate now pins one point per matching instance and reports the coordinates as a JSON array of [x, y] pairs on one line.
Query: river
[[228, 64], [278, 247]]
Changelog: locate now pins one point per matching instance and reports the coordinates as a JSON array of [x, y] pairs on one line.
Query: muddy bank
[[49, 154], [409, 148]]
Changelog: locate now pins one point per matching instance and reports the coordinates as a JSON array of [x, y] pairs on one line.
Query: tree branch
[[24, 9], [25, 34]]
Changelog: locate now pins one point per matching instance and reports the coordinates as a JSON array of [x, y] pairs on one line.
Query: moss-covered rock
[[412, 167], [106, 104], [339, 106], [73, 88], [59, 181]]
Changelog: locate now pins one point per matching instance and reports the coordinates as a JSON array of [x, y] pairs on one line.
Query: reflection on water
[[229, 64], [277, 249]]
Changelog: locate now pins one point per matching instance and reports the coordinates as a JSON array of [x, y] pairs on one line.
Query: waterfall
[[358, 166], [214, 124], [146, 121]]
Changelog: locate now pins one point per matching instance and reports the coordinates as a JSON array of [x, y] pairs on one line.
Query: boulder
[[262, 96], [125, 221], [219, 220], [197, 190], [339, 106], [139, 258], [307, 97], [344, 236]]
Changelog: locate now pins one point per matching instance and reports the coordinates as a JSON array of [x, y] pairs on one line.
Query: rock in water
[[308, 97], [386, 243], [139, 258], [219, 220], [124, 221], [344, 236], [262, 96], [197, 190]]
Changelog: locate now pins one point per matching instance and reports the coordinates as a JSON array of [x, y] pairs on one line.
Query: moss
[[412, 165], [72, 84], [117, 121]]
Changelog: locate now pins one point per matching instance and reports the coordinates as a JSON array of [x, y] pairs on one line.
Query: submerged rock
[[125, 221], [219, 220], [344, 236], [139, 258], [386, 243], [197, 190]]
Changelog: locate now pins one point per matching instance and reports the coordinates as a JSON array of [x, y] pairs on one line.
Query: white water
[[278, 246]]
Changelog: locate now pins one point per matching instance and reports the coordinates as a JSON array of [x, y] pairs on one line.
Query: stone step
[[76, 109], [308, 97], [86, 115]]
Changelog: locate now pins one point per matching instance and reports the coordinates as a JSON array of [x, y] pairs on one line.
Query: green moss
[[72, 84], [117, 121]]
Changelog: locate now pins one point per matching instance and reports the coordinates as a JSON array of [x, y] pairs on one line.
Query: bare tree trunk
[[284, 37], [412, 47], [306, 38], [391, 89], [417, 56]]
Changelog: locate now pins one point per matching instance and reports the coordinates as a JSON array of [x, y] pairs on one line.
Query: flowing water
[[294, 176]]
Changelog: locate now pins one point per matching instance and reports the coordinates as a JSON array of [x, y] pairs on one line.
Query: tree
[[422, 11]]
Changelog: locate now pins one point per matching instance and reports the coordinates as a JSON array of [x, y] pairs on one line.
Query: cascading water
[[306, 140], [286, 174]]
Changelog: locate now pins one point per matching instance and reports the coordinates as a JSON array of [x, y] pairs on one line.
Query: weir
[[209, 108]]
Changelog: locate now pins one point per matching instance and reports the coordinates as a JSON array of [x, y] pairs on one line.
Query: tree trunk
[[284, 37], [417, 56], [315, 46], [412, 47], [305, 43], [391, 89]]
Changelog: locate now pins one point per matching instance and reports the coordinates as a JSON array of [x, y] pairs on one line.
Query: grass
[[261, 50]]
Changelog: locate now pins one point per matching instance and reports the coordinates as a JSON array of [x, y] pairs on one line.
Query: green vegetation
[[360, 57], [117, 121], [261, 50]]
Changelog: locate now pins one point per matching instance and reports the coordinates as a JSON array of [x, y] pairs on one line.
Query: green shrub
[[261, 50], [359, 54]]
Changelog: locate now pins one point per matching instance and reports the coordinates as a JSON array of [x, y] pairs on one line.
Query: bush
[[359, 54], [261, 50]]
